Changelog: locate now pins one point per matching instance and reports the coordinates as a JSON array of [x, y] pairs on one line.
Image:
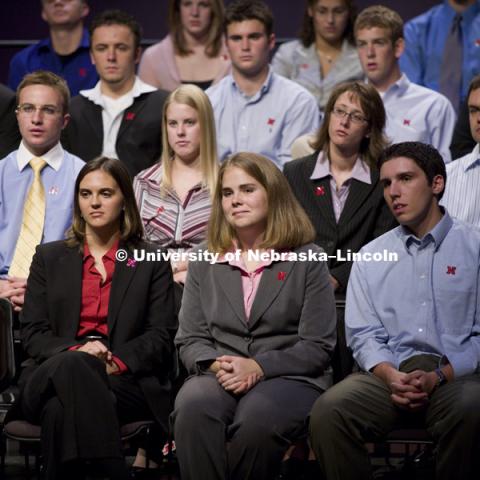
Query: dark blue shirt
[[76, 68]]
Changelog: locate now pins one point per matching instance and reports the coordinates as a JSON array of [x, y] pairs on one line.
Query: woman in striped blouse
[[174, 195]]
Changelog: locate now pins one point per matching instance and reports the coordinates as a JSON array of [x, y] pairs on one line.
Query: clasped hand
[[237, 374], [412, 390], [13, 289], [99, 350]]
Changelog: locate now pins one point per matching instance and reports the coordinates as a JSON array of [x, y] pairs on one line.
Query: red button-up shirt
[[96, 296]]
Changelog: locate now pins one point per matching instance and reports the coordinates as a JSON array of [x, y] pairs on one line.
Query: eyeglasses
[[353, 116], [46, 110]]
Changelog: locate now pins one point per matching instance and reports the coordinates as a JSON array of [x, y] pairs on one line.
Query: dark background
[[20, 20]]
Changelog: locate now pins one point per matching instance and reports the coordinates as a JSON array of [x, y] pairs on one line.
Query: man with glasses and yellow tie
[[36, 181]]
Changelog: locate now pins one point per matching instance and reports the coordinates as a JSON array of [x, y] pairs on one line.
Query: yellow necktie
[[32, 223]]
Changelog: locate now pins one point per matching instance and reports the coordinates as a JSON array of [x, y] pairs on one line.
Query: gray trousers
[[258, 426], [359, 409]]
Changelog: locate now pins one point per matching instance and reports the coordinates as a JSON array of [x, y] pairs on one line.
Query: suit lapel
[[357, 195], [70, 268], [231, 283], [122, 277], [272, 281], [93, 116], [131, 113], [320, 191]]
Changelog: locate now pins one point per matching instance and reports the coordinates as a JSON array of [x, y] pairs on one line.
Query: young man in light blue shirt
[[414, 328], [255, 109], [42, 113]]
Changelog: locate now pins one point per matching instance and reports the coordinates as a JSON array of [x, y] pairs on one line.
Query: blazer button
[[247, 338]]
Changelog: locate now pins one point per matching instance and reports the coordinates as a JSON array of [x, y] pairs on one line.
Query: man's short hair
[[474, 85], [381, 17], [49, 79], [117, 17], [425, 156], [241, 10]]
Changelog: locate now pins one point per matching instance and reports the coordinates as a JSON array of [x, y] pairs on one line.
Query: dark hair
[[381, 17], [131, 229], [241, 10], [117, 17], [474, 85], [48, 79], [372, 146], [307, 33], [425, 156], [215, 35]]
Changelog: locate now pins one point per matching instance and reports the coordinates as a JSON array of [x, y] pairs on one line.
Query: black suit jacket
[[141, 321], [9, 133], [364, 217], [138, 144]]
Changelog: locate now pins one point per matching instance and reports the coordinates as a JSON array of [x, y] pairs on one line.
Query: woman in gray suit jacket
[[257, 329]]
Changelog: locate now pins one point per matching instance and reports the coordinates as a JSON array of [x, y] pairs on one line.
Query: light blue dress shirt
[[419, 114], [427, 302], [266, 123], [16, 176], [425, 38]]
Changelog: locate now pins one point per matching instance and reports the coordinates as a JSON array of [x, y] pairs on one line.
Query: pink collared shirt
[[250, 281]]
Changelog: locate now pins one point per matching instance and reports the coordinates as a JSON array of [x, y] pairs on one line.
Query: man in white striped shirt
[[462, 192]]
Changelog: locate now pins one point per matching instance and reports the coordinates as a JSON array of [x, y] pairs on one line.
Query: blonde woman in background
[[174, 195]]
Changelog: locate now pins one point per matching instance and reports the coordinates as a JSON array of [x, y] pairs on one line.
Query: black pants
[[80, 409]]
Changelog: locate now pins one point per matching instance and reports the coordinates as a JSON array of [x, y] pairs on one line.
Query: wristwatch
[[441, 380]]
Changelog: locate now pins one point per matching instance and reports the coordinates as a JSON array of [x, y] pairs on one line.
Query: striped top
[[168, 222], [462, 190]]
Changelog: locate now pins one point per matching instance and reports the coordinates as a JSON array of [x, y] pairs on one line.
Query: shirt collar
[[468, 15], [472, 160], [110, 254], [96, 96], [154, 178], [400, 86], [263, 89], [360, 170], [54, 157], [436, 235], [46, 43]]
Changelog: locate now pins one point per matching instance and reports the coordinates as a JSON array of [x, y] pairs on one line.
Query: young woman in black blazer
[[98, 326], [338, 185]]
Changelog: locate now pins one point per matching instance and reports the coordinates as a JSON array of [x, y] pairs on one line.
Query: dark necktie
[[452, 62]]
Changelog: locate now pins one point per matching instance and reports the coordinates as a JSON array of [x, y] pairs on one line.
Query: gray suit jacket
[[291, 329]]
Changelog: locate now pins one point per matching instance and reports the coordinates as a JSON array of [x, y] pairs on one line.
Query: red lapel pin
[[82, 71], [129, 115], [451, 270], [270, 121], [282, 275], [320, 191], [406, 122]]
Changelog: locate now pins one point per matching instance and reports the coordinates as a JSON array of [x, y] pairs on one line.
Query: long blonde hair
[[288, 226], [195, 98]]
